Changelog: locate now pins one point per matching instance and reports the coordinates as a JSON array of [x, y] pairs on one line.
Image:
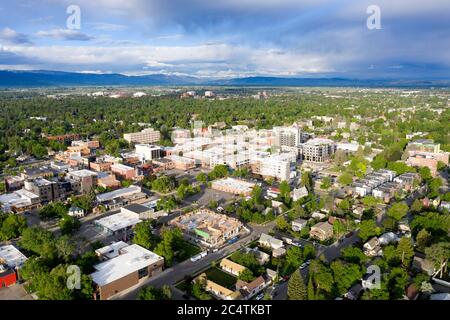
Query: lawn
[[187, 250], [220, 277]]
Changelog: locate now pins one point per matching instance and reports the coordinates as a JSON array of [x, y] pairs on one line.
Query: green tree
[[354, 255], [405, 250], [306, 180], [345, 275], [202, 178], [69, 224], [345, 179], [294, 257], [285, 192], [326, 183], [417, 206], [423, 239], [368, 229], [398, 210], [439, 253], [425, 173], [150, 293], [296, 287], [379, 162], [311, 290], [282, 224], [11, 226], [246, 275], [143, 235]]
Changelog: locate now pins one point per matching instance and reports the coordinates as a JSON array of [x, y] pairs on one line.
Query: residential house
[[322, 231], [231, 267], [270, 242], [298, 224]]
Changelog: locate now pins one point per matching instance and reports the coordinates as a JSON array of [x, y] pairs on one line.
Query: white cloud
[[201, 60], [11, 36], [103, 26], [65, 34]]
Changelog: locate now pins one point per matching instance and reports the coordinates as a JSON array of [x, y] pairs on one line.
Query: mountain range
[[43, 78]]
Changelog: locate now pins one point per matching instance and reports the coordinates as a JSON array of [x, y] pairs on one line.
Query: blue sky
[[232, 38]]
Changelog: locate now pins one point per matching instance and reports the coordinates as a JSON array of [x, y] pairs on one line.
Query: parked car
[[260, 296], [348, 235]]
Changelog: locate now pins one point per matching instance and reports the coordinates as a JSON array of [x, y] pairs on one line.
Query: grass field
[[187, 250], [220, 277]]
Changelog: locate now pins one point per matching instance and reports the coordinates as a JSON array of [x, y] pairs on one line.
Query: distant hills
[[43, 78]]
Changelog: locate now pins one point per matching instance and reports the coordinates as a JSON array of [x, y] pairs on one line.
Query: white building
[[11, 256], [119, 222], [147, 152]]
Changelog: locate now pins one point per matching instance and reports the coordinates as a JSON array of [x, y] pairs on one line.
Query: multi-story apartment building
[[279, 166], [146, 136], [317, 150], [288, 136]]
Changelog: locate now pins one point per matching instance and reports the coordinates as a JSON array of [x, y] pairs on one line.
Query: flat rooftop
[[236, 184], [131, 259], [119, 221], [118, 193], [121, 166], [112, 250], [12, 256], [137, 208], [83, 173]]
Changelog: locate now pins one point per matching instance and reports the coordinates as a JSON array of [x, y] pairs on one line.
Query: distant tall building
[[317, 150], [288, 136], [146, 136]]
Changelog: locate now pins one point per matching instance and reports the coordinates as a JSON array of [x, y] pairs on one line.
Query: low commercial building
[[108, 181], [101, 166], [11, 260], [121, 197], [235, 186], [124, 268], [142, 211], [117, 223], [123, 171], [182, 163], [322, 231], [19, 201]]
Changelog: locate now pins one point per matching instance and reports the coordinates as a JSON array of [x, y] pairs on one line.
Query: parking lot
[[207, 195]]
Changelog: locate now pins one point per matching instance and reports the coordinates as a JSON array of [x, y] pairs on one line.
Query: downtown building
[[317, 150], [146, 136]]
